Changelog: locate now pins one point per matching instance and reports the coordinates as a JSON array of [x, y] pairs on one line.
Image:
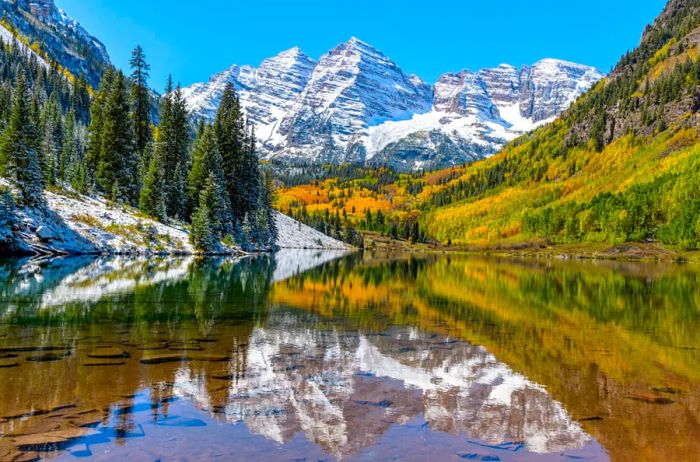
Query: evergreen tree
[[68, 157], [18, 150], [151, 197], [249, 178], [140, 101], [203, 236], [171, 151], [267, 211], [229, 131], [117, 167], [95, 131], [206, 164]]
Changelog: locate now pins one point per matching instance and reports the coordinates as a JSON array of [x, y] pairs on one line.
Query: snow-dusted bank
[[78, 225]]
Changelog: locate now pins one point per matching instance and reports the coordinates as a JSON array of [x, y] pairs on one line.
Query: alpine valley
[[355, 105], [336, 260]]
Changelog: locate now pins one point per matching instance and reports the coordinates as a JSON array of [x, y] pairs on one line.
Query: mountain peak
[[553, 63], [356, 105], [357, 45], [288, 59], [354, 41], [292, 53]]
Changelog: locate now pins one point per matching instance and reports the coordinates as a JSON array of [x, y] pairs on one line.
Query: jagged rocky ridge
[[61, 37], [356, 105]]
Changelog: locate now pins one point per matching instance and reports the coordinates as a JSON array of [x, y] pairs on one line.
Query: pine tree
[[95, 131], [140, 101], [178, 159], [18, 150], [171, 149], [266, 214], [249, 177], [206, 163], [203, 235], [68, 157], [151, 197], [117, 167], [229, 131], [51, 139]]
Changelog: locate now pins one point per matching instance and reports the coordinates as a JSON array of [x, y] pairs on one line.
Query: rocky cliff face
[[61, 37], [356, 105]]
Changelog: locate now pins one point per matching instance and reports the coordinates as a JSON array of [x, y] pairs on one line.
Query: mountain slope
[[78, 224], [621, 164], [59, 37], [356, 105]]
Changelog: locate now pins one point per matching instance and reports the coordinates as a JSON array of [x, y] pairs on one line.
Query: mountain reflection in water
[[311, 355]]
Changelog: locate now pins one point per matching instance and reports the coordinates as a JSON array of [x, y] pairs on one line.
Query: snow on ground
[[295, 235], [519, 124], [7, 36], [77, 224], [115, 229], [467, 127]]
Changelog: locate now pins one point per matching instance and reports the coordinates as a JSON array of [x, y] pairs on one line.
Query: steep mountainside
[[59, 37], [621, 164], [356, 105]]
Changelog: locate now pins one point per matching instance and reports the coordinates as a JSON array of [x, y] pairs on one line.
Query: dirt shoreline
[[628, 251]]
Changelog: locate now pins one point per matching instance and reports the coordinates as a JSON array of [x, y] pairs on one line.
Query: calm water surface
[[315, 356]]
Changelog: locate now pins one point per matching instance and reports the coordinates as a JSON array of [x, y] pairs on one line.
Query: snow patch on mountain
[[8, 37]]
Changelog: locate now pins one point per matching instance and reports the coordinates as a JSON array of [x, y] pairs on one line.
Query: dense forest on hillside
[[622, 164], [60, 133]]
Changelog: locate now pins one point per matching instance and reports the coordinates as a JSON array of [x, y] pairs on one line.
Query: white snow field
[[77, 224]]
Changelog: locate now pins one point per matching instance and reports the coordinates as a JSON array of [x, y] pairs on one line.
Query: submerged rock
[[108, 353], [118, 363], [164, 358], [47, 357], [153, 346], [30, 349], [51, 441], [651, 399]]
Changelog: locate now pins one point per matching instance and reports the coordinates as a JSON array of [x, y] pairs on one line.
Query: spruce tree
[[206, 166], [68, 158], [249, 175], [172, 152], [95, 131], [228, 128], [151, 197], [140, 101], [203, 235], [117, 168], [178, 157], [266, 213], [18, 150]]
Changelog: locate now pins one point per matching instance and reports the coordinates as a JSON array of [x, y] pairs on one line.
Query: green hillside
[[621, 165]]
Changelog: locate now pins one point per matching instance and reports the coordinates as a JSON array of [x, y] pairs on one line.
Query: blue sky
[[193, 39]]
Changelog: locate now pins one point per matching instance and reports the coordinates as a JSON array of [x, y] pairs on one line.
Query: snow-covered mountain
[[356, 105], [61, 37]]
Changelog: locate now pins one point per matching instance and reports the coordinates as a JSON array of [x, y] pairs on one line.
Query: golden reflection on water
[[495, 358]]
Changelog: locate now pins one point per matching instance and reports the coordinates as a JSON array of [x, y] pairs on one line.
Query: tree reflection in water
[[320, 355]]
